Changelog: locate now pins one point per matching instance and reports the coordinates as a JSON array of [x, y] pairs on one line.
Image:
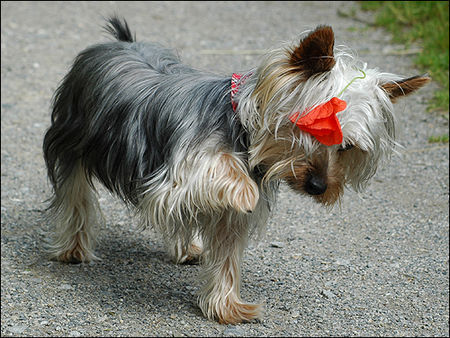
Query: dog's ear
[[404, 87], [315, 52]]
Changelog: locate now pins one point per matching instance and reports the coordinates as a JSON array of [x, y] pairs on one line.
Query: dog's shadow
[[134, 272], [141, 273]]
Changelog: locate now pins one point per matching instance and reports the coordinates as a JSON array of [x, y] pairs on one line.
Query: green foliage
[[438, 139], [426, 22]]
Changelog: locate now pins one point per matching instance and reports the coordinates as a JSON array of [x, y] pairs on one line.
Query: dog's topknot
[[119, 29]]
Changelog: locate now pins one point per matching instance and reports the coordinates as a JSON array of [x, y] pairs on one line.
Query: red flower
[[322, 122]]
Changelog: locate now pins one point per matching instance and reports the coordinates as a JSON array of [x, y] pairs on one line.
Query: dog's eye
[[347, 147]]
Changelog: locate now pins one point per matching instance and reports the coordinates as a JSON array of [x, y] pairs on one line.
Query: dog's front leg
[[224, 184], [231, 185], [220, 296]]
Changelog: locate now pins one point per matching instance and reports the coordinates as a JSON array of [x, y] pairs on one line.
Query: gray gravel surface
[[376, 266]]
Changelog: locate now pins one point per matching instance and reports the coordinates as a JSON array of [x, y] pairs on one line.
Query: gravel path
[[378, 266]]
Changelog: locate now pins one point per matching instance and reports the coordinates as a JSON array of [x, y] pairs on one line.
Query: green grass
[[424, 22], [438, 139]]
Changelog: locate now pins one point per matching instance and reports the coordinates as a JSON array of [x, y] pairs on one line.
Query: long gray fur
[[126, 108]]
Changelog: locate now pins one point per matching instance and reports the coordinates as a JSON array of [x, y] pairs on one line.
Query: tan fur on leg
[[220, 297], [191, 254], [233, 185], [74, 209]]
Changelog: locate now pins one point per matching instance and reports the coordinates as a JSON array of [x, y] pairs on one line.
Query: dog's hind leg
[[74, 211], [186, 253]]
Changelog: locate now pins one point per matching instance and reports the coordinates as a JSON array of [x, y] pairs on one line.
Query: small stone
[[65, 287], [233, 331], [342, 261], [17, 329], [328, 294], [276, 244], [74, 334]]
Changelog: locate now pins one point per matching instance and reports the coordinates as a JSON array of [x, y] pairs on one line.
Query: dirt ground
[[377, 266]]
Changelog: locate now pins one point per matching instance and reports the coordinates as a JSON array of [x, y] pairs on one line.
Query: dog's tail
[[119, 29]]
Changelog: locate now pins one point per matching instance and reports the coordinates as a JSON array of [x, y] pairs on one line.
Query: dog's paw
[[74, 250], [239, 313], [233, 186], [190, 255], [230, 310], [244, 195], [75, 255]]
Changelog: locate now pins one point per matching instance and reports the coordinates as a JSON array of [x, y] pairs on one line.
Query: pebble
[[233, 331], [342, 261], [295, 314], [65, 287], [328, 294], [277, 244], [17, 329], [74, 333]]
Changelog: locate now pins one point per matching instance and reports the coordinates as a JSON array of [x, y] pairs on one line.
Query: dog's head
[[318, 153]]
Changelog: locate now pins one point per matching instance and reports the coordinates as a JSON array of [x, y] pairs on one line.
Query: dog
[[201, 156]]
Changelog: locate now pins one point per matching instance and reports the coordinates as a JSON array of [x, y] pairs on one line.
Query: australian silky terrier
[[200, 156]]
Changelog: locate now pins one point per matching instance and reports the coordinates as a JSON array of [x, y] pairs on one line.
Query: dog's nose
[[315, 185]]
